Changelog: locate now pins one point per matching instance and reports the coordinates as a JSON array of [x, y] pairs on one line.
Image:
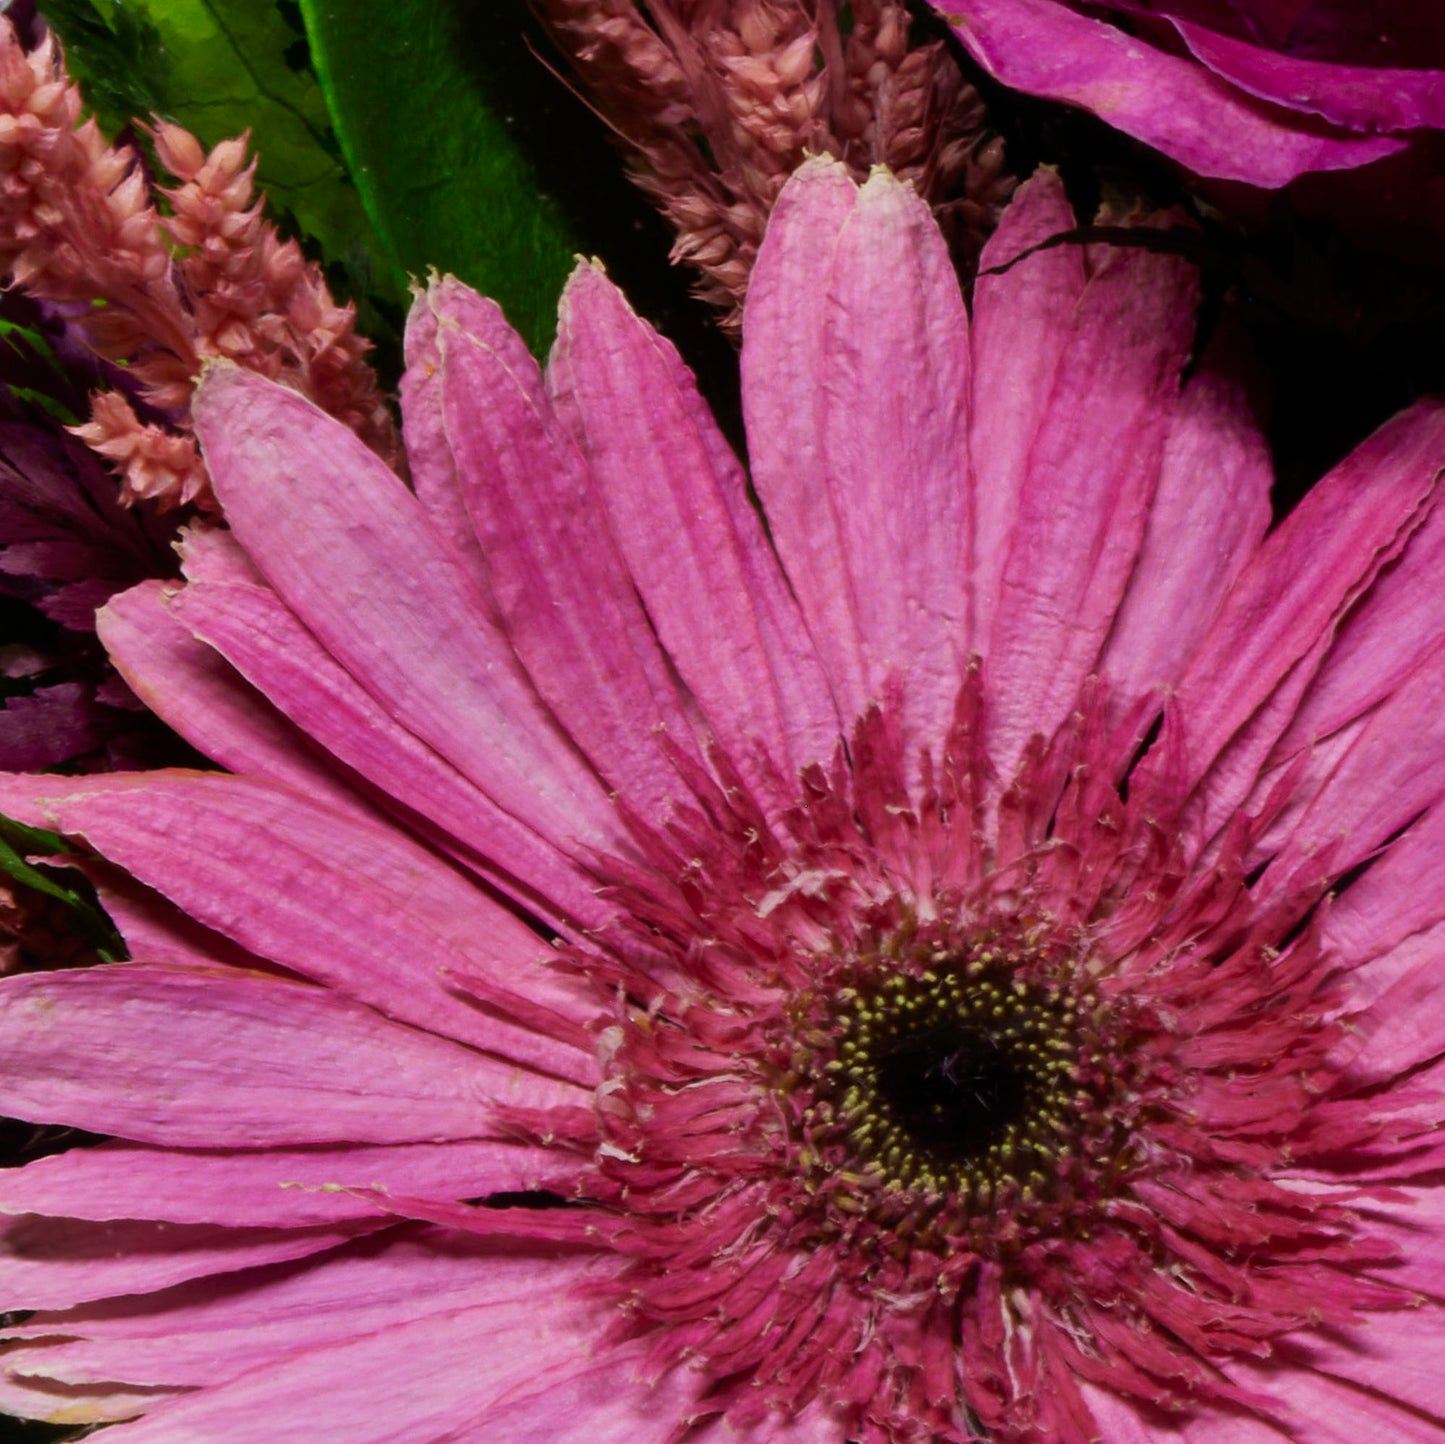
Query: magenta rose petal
[[1359, 97], [380, 572], [55, 1263], [271, 1189], [1170, 103], [1086, 491], [677, 503], [1022, 303], [304, 1065], [580, 631]]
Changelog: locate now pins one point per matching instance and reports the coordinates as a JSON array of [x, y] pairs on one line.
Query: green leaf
[[16, 840], [220, 67], [32, 354], [412, 86]]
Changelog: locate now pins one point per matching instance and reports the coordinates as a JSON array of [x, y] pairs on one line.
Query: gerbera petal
[[1402, 1025], [250, 1062], [203, 1334], [251, 628], [784, 380], [287, 1189], [1090, 478], [1395, 1355], [1392, 771], [1334, 1412], [1395, 897], [1022, 302], [676, 501], [350, 551], [1209, 514], [579, 630], [396, 924], [55, 1263], [1288, 600], [870, 509], [442, 1374], [1171, 104], [596, 1402], [193, 690], [429, 454], [1379, 642]]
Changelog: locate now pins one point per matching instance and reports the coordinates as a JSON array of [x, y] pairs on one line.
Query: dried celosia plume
[[961, 962], [717, 102], [209, 277]]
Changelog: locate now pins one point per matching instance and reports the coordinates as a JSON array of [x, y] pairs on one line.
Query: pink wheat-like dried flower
[[718, 101], [958, 959], [79, 223]]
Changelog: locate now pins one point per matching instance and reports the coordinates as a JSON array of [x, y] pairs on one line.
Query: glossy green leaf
[[413, 87], [220, 67], [17, 841]]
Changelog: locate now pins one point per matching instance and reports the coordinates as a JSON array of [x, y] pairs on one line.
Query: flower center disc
[[961, 1079]]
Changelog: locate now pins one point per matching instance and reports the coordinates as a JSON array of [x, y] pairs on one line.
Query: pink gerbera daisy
[[959, 963]]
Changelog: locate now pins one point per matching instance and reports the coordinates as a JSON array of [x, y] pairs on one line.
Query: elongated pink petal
[[1360, 97], [1332, 1412], [361, 909], [194, 691], [1170, 103], [784, 379], [1210, 513], [1392, 772], [1382, 639], [1087, 489], [253, 630], [54, 1263], [206, 1333], [251, 1062], [597, 1402], [1404, 1024], [41, 1398], [579, 630], [866, 481], [1022, 303], [291, 1189], [1396, 897], [429, 453], [442, 1374], [348, 548], [1293, 594], [1395, 1355], [677, 503], [874, 507]]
